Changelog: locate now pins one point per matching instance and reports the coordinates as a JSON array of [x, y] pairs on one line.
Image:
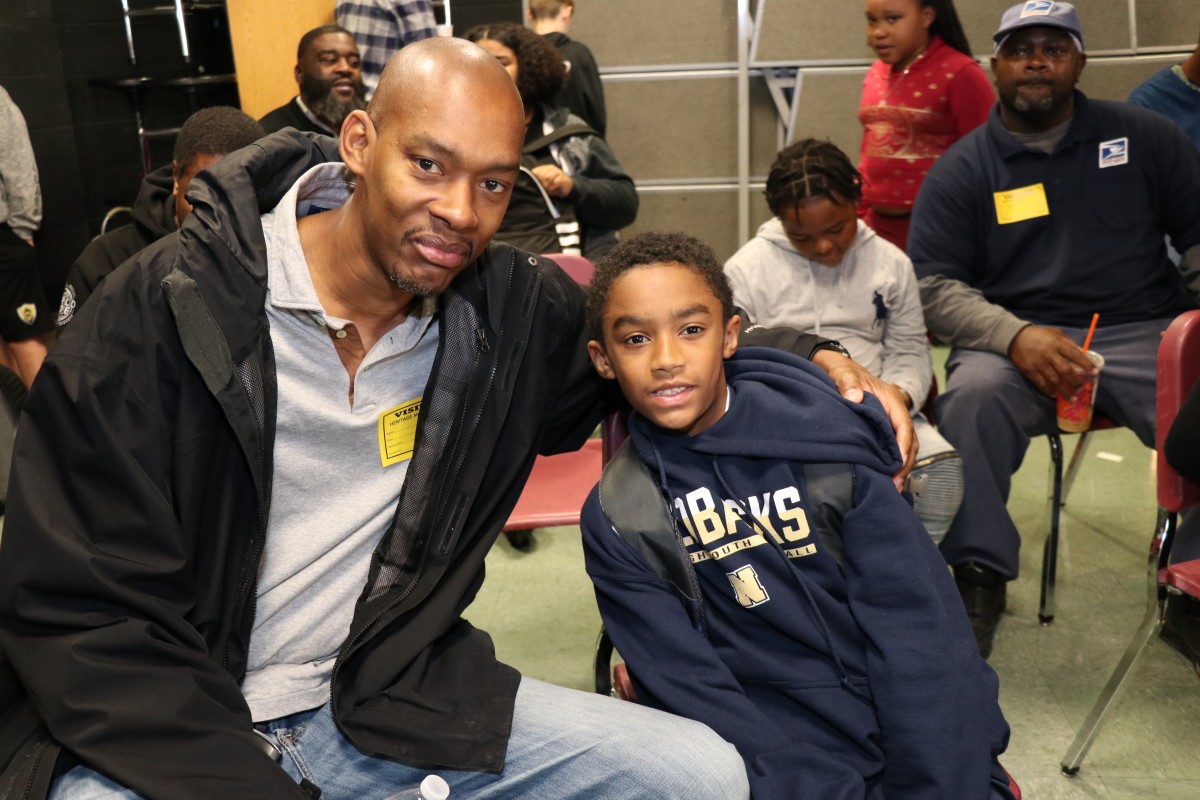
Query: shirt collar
[[289, 281], [1083, 128], [313, 118]]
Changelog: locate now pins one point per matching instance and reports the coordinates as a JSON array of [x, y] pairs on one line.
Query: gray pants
[[990, 411]]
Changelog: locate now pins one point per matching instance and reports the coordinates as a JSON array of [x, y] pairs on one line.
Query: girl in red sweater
[[923, 94]]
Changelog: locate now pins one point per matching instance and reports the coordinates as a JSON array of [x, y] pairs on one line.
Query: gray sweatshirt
[[20, 196], [869, 302]]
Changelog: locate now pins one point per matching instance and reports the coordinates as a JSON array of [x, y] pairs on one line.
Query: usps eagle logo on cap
[[1037, 8], [1114, 152]]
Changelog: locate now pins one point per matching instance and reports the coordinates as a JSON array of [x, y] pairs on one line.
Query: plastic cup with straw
[[1075, 412]]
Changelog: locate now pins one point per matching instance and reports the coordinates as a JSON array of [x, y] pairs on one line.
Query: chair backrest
[[1177, 369], [578, 267], [614, 430]]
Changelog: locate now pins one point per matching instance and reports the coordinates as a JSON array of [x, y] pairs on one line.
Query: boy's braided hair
[[812, 169]]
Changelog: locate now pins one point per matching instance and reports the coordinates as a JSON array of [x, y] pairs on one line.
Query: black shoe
[[521, 540], [983, 593], [1181, 627]]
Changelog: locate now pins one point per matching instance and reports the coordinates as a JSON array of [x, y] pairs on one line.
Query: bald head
[[436, 66]]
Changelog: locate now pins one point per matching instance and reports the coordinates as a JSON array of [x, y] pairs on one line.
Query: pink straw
[[1088, 341]]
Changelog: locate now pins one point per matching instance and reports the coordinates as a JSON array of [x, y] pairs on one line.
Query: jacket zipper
[[481, 340], [39, 754]]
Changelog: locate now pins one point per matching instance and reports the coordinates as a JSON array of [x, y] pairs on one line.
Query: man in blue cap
[[1053, 210]]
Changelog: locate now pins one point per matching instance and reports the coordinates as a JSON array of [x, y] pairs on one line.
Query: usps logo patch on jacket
[[1114, 152]]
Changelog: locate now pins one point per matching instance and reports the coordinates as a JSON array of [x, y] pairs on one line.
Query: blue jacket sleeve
[[674, 668], [936, 699]]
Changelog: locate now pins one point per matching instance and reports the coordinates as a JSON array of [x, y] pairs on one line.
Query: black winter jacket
[[141, 490], [153, 218]]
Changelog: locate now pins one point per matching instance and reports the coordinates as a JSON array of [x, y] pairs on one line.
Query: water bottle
[[432, 788]]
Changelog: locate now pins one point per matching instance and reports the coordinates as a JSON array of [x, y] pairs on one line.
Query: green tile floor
[[540, 610]]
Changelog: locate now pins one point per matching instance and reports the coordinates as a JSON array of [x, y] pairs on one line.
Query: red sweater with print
[[910, 117]]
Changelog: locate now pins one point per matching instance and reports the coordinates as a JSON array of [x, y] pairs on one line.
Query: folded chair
[[1177, 369]]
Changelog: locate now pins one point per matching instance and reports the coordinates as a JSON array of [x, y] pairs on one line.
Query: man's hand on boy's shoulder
[[853, 380]]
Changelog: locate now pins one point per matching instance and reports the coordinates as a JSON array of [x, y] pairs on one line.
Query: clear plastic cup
[[1075, 412]]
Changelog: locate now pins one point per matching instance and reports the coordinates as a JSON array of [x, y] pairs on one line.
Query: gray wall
[[669, 72]]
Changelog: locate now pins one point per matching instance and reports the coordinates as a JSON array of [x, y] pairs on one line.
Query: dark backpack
[[631, 499]]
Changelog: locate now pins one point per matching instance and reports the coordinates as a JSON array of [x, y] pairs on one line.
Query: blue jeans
[[564, 744]]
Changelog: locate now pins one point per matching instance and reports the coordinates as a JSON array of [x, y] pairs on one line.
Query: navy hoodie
[[839, 669]]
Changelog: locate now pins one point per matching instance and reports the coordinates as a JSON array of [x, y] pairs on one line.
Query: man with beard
[[1055, 209], [329, 72]]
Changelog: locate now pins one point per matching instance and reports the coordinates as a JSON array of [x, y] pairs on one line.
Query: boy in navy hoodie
[[775, 586]]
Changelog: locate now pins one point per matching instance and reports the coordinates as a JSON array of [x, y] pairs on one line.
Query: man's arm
[[960, 315], [1189, 271], [18, 171], [98, 590], [852, 379]]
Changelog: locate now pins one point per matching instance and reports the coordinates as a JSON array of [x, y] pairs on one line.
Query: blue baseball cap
[[1040, 13]]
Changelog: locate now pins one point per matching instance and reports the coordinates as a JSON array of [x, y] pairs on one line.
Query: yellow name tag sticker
[[1018, 205], [398, 432]]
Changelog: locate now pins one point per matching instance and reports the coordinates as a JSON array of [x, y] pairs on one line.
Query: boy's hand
[[556, 182], [853, 380]]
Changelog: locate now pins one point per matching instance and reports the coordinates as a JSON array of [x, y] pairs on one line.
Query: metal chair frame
[[1178, 366], [1060, 488]]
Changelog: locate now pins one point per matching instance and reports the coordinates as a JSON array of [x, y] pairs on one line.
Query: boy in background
[[582, 93], [775, 586]]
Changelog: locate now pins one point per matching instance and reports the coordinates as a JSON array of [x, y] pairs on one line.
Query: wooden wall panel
[[265, 34]]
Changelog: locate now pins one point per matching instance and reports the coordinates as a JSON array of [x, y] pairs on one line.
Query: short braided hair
[[649, 248], [811, 169]]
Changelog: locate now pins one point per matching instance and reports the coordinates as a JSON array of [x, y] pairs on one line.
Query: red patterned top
[[910, 117]]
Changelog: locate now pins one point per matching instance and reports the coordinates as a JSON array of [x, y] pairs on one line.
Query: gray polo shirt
[[338, 468]]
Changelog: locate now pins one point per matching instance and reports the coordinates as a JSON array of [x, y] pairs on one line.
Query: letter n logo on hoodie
[[748, 587]]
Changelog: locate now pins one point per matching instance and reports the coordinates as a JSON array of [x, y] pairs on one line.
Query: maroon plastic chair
[[1177, 369], [578, 267], [557, 488]]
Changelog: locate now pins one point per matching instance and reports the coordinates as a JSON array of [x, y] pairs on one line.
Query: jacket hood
[[772, 231], [789, 394], [154, 208], [228, 200], [229, 197]]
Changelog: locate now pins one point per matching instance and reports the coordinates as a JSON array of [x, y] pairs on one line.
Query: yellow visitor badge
[[1018, 205], [398, 432]]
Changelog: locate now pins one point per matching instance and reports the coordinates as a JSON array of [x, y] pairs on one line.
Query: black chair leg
[[603, 664], [1050, 549]]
